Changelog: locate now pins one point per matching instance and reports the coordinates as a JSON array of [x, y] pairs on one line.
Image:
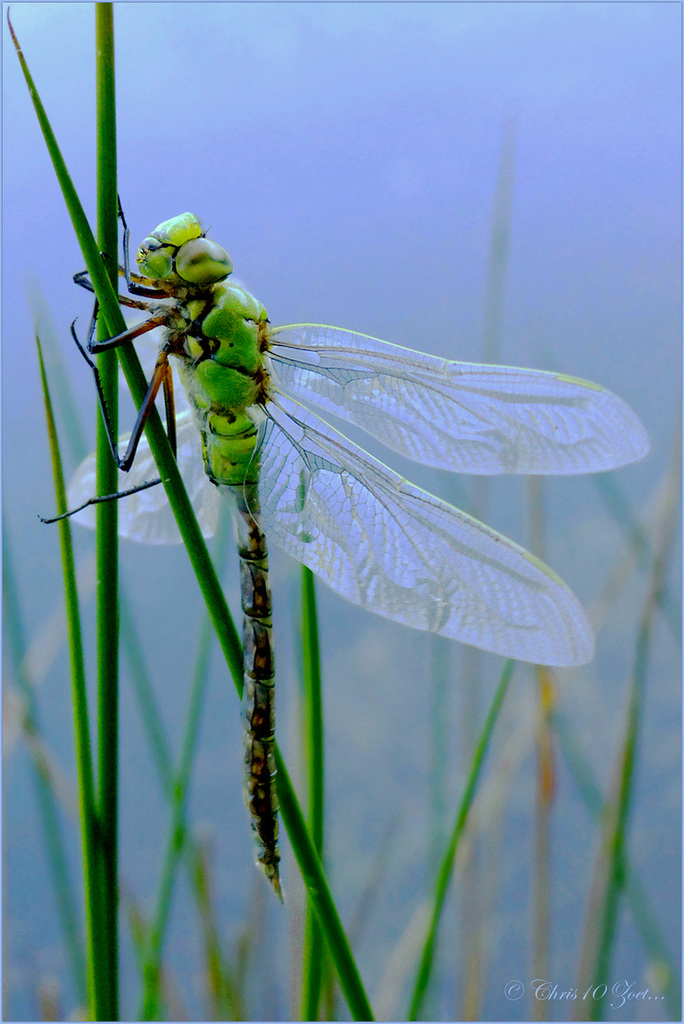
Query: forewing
[[147, 516], [394, 549], [463, 417]]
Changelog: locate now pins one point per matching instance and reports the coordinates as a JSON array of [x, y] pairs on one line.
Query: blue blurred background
[[347, 156]]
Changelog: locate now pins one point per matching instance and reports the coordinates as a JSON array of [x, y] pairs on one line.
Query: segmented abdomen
[[258, 700]]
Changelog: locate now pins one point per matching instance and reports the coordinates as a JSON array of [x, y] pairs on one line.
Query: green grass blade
[[542, 830], [312, 954], [499, 246], [98, 984], [107, 541], [47, 804], [314, 700], [317, 889], [615, 500], [180, 785], [147, 702], [644, 919], [91, 255], [440, 668], [545, 772], [609, 875], [220, 976], [223, 983], [473, 884], [67, 415], [447, 865], [175, 842]]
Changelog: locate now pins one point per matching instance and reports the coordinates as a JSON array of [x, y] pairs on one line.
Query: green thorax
[[219, 335]]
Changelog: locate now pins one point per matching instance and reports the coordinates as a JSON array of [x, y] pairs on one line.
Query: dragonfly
[[292, 479]]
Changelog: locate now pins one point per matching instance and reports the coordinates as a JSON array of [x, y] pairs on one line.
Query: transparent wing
[[394, 549], [147, 516], [463, 417]]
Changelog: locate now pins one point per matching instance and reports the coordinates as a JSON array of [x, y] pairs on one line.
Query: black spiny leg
[[161, 376]]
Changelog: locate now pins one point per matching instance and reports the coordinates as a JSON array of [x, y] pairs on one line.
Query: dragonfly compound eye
[[157, 253], [155, 258], [203, 262]]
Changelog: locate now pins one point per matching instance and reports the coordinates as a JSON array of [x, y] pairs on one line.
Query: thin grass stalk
[[610, 491], [602, 926], [644, 919], [67, 415], [147, 704], [447, 865], [107, 541], [307, 858], [473, 882], [191, 851], [610, 871], [580, 769], [317, 888], [662, 965], [180, 784], [545, 773], [223, 983], [157, 931], [47, 804], [312, 953], [440, 666], [97, 982], [546, 784]]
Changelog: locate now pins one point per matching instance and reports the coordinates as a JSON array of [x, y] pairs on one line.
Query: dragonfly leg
[[82, 279], [136, 285], [100, 498], [161, 376], [162, 371], [126, 246], [134, 282], [170, 410], [130, 334]]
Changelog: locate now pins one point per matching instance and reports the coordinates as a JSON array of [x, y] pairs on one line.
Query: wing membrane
[[463, 417], [394, 549], [146, 516]]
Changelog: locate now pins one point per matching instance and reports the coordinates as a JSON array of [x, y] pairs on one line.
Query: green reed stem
[[610, 875], [312, 953], [317, 889], [107, 541], [97, 980], [447, 865], [48, 809], [180, 785]]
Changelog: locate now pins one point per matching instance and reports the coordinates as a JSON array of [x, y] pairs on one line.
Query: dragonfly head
[[178, 250]]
